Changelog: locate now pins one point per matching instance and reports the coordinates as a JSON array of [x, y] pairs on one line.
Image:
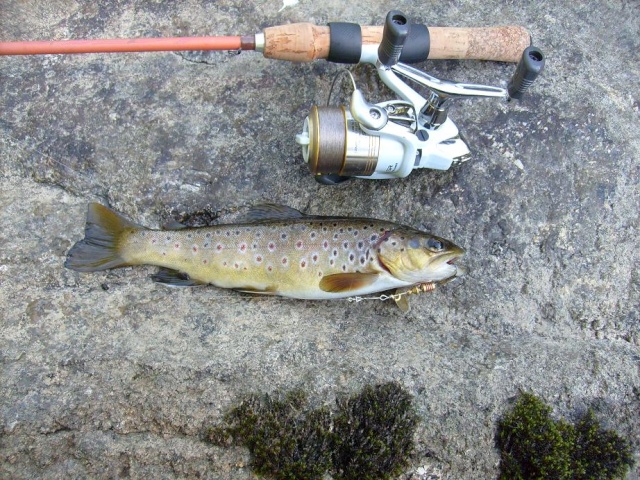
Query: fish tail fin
[[100, 249]]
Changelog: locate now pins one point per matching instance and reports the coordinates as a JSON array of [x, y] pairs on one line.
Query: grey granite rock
[[110, 375]]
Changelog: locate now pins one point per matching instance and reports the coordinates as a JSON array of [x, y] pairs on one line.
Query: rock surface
[[110, 375]]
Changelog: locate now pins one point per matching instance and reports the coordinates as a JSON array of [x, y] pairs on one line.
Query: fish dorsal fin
[[173, 225], [270, 211], [347, 282], [173, 278]]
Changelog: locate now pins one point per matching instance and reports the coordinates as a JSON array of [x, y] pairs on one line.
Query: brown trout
[[274, 250]]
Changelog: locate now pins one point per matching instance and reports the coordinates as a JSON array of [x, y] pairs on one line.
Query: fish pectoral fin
[[347, 282], [174, 278]]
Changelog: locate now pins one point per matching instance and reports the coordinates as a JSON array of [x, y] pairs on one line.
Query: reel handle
[[529, 67], [305, 42], [394, 34]]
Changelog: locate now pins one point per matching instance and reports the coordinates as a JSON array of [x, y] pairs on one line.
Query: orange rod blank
[[127, 45]]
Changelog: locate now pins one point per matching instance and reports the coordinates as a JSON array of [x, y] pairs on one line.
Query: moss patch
[[374, 433], [369, 436], [286, 440], [535, 446]]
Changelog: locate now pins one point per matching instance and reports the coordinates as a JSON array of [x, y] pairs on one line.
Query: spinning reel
[[389, 139]]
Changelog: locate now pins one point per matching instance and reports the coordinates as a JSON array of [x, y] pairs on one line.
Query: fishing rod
[[304, 42], [375, 141]]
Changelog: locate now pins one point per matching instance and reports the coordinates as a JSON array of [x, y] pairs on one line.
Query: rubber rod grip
[[305, 42]]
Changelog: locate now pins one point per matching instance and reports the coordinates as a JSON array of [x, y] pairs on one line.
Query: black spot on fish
[[283, 236], [349, 229], [208, 235], [345, 245], [360, 245], [355, 233]]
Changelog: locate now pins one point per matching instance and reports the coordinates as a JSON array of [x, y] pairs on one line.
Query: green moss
[[599, 453], [370, 437], [535, 446], [285, 441], [374, 433]]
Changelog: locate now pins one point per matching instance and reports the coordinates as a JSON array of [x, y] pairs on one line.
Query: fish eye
[[434, 245]]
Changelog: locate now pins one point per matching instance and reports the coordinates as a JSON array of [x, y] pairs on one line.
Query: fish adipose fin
[[347, 282], [174, 278], [99, 250]]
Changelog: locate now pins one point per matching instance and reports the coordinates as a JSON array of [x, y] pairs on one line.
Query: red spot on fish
[[153, 241], [269, 268], [258, 258], [271, 246], [284, 260], [314, 257], [303, 263], [299, 244], [177, 245], [236, 265], [205, 261], [195, 249], [243, 247], [325, 245]]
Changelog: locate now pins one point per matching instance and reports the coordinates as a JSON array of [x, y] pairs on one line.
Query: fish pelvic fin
[[100, 249], [174, 278]]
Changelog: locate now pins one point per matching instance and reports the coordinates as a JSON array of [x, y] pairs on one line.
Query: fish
[[272, 250]]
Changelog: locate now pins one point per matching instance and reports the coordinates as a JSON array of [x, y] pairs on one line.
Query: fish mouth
[[448, 259]]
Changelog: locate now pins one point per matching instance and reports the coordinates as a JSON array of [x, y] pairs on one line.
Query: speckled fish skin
[[293, 255]]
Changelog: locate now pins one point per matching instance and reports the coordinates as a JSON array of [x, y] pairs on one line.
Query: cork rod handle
[[305, 42]]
